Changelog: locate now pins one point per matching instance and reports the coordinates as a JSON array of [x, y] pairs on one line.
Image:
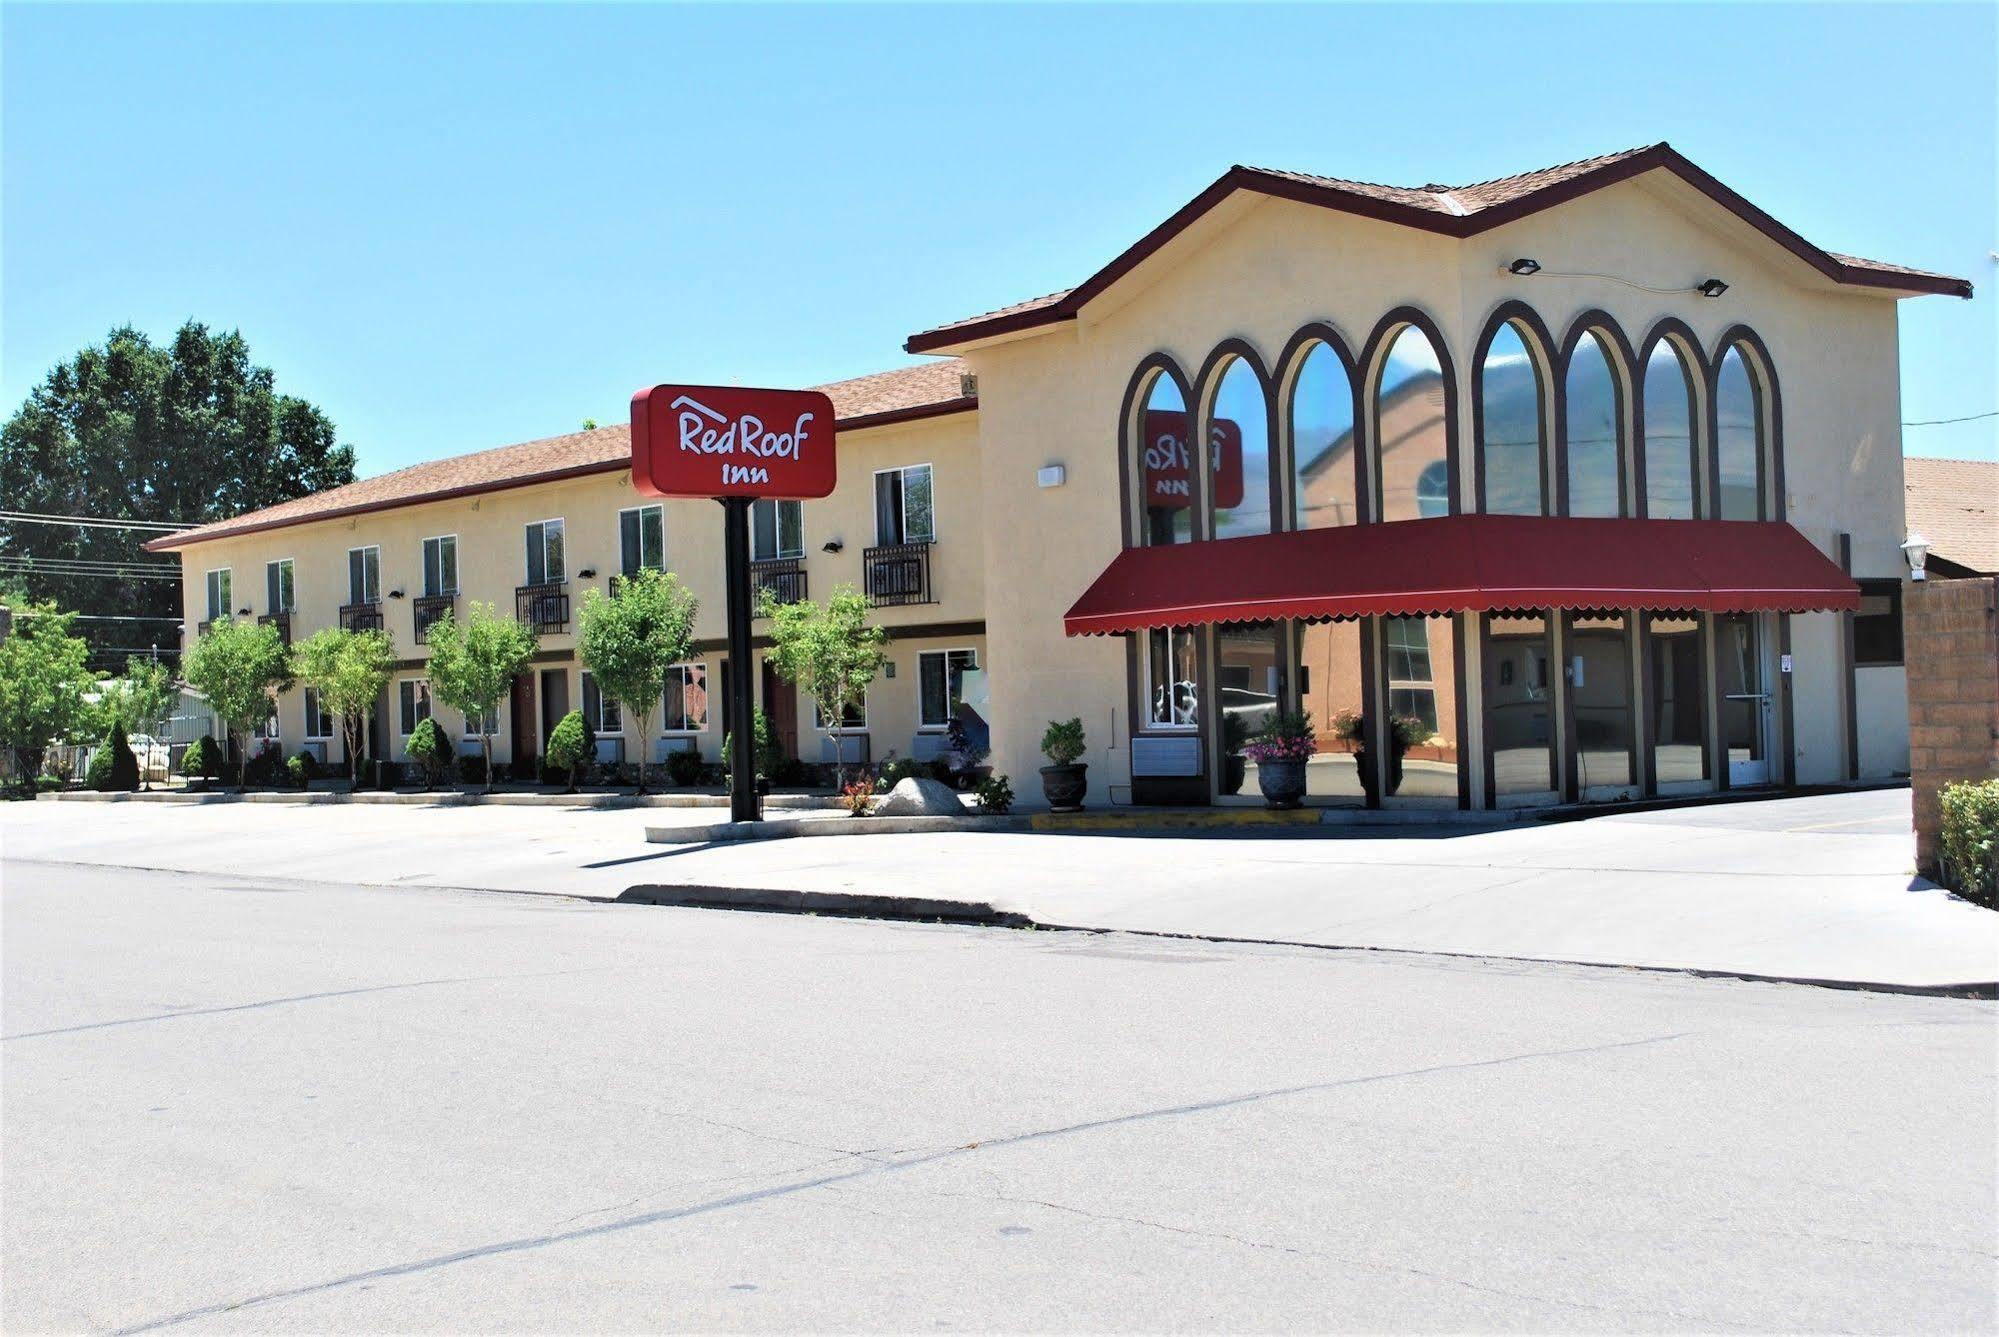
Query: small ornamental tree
[[146, 698], [631, 640], [569, 746], [830, 652], [430, 748], [44, 674], [237, 664], [473, 663], [350, 670]]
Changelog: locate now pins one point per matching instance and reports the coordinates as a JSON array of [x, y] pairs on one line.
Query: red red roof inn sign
[[728, 441]]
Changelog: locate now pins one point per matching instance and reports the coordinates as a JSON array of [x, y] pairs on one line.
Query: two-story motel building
[[1584, 484]]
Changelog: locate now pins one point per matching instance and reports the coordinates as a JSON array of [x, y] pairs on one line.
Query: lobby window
[[941, 684], [218, 594], [641, 539], [600, 712], [777, 529], [1599, 674], [364, 575], [1172, 678], [1741, 437], [545, 564], [1677, 707], [1594, 422], [904, 506], [1512, 442], [279, 587], [1411, 439], [1877, 627], [318, 720], [1411, 687], [1164, 474], [686, 703], [1669, 434], [1519, 703], [413, 700], [1239, 453], [440, 566], [1322, 443]]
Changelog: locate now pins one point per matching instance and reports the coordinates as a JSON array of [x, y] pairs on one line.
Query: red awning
[[1475, 563]]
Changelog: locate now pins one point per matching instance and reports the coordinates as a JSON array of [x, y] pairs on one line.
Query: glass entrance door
[[1745, 698]]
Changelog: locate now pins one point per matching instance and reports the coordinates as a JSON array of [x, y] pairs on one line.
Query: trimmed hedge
[[202, 760], [1968, 840]]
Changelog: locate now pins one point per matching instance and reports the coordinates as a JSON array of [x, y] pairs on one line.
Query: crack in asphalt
[[873, 1168]]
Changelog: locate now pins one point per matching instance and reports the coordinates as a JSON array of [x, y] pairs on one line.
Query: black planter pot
[[1282, 782], [1064, 786], [1235, 770]]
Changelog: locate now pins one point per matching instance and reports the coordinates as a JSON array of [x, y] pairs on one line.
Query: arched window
[[1239, 453], [1411, 423], [1164, 473], [1669, 434], [1740, 433], [1322, 443], [1594, 413], [1511, 444]]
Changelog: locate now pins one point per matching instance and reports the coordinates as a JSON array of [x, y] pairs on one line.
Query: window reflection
[[1165, 474], [1669, 439], [1519, 703], [1679, 729], [1249, 661], [1173, 696], [1239, 453], [1322, 443], [1419, 658], [1738, 441], [1411, 442], [1510, 446], [1599, 671], [1332, 690], [1595, 427]]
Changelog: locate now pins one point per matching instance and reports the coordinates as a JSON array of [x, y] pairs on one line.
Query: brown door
[[522, 716], [780, 701]]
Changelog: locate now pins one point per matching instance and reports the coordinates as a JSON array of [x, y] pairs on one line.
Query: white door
[[1745, 698]]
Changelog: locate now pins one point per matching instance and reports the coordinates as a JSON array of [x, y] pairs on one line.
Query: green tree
[[130, 430], [831, 652], [349, 670], [630, 640], [238, 665], [473, 663], [145, 697], [44, 676]]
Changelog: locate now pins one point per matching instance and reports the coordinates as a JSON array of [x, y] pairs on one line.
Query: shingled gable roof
[[1456, 211], [1955, 505], [865, 401]]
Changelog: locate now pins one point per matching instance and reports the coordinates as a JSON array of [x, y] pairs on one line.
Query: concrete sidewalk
[[1807, 888]]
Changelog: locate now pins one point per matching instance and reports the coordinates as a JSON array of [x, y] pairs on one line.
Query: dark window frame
[[1873, 647]]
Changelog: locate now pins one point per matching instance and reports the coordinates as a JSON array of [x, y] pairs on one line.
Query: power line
[[1939, 422], [101, 521]]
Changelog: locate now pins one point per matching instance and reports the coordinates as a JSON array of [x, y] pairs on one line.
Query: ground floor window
[[600, 712], [1519, 703], [1600, 694], [685, 709], [318, 720], [271, 728], [1676, 687], [1877, 627], [1250, 684], [1329, 670], [1419, 660], [480, 723], [1172, 678], [413, 698], [941, 683], [855, 716]]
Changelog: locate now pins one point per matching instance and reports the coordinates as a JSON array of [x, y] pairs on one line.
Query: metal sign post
[[745, 804]]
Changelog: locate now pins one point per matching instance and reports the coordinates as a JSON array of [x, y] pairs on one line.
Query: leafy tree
[[44, 675], [569, 746], [130, 430], [430, 748], [237, 664], [831, 652], [630, 640], [350, 670], [474, 662], [144, 697]]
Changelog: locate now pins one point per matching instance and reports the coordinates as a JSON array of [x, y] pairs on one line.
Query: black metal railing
[[897, 573], [542, 608], [784, 577], [201, 628], [282, 621], [426, 609], [361, 617]]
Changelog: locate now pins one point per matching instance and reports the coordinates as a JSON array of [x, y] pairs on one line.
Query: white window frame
[[375, 548], [273, 728], [923, 725], [819, 720], [584, 683], [779, 552], [472, 723], [424, 550], [210, 589], [309, 702], [640, 512], [902, 521], [403, 706], [1145, 680], [678, 672], [291, 607], [527, 571]]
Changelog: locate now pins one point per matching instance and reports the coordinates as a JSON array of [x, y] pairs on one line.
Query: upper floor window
[[1512, 441], [1741, 436], [641, 539], [1164, 471], [1433, 490], [278, 586], [904, 510], [1594, 429], [545, 562], [1669, 434], [1323, 469], [440, 566], [777, 529], [1411, 417], [1239, 453], [364, 575], [219, 602]]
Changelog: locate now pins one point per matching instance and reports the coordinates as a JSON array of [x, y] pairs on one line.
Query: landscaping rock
[[920, 797]]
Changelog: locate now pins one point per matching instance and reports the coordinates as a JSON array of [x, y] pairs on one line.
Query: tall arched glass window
[[1669, 435], [1239, 453], [1322, 443], [1164, 474], [1411, 433], [1595, 427], [1739, 437], [1510, 444]]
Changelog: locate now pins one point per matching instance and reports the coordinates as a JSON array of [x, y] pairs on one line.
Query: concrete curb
[[455, 798], [1151, 822], [834, 903], [824, 825]]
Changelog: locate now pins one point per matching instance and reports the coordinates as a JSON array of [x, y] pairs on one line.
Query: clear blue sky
[[460, 227]]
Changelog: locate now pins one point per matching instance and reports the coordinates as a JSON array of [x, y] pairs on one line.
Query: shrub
[[897, 769], [1063, 742], [472, 770], [124, 763], [856, 797], [569, 746], [685, 769], [296, 772], [202, 760], [1410, 731], [264, 768], [770, 758], [959, 739], [97, 775], [430, 748], [304, 762], [1968, 840], [995, 794]]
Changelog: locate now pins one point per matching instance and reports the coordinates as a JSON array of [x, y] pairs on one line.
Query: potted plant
[[1280, 750], [1235, 766], [1064, 780]]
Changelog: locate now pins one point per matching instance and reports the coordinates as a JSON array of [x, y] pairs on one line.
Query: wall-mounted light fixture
[[587, 573], [395, 594], [1051, 475], [833, 545], [1711, 288], [1524, 266], [888, 669], [242, 612], [1916, 551]]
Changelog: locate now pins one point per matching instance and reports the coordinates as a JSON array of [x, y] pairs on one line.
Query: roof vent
[[968, 385]]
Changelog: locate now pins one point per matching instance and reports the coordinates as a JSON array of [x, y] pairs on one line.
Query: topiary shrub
[[684, 770], [569, 747], [430, 748], [124, 762], [97, 775], [1062, 743], [202, 760], [1968, 840]]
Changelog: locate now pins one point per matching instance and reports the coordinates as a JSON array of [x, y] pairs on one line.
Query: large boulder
[[920, 797]]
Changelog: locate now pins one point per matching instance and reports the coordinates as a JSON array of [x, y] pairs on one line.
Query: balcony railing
[[361, 617], [542, 608], [426, 609], [784, 577], [282, 621], [898, 573], [201, 628]]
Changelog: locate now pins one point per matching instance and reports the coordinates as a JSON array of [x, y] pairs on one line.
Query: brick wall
[[1951, 640]]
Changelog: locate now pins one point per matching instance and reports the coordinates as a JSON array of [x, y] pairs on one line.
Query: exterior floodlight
[[1916, 551], [1523, 267], [587, 573], [1711, 288], [833, 545]]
